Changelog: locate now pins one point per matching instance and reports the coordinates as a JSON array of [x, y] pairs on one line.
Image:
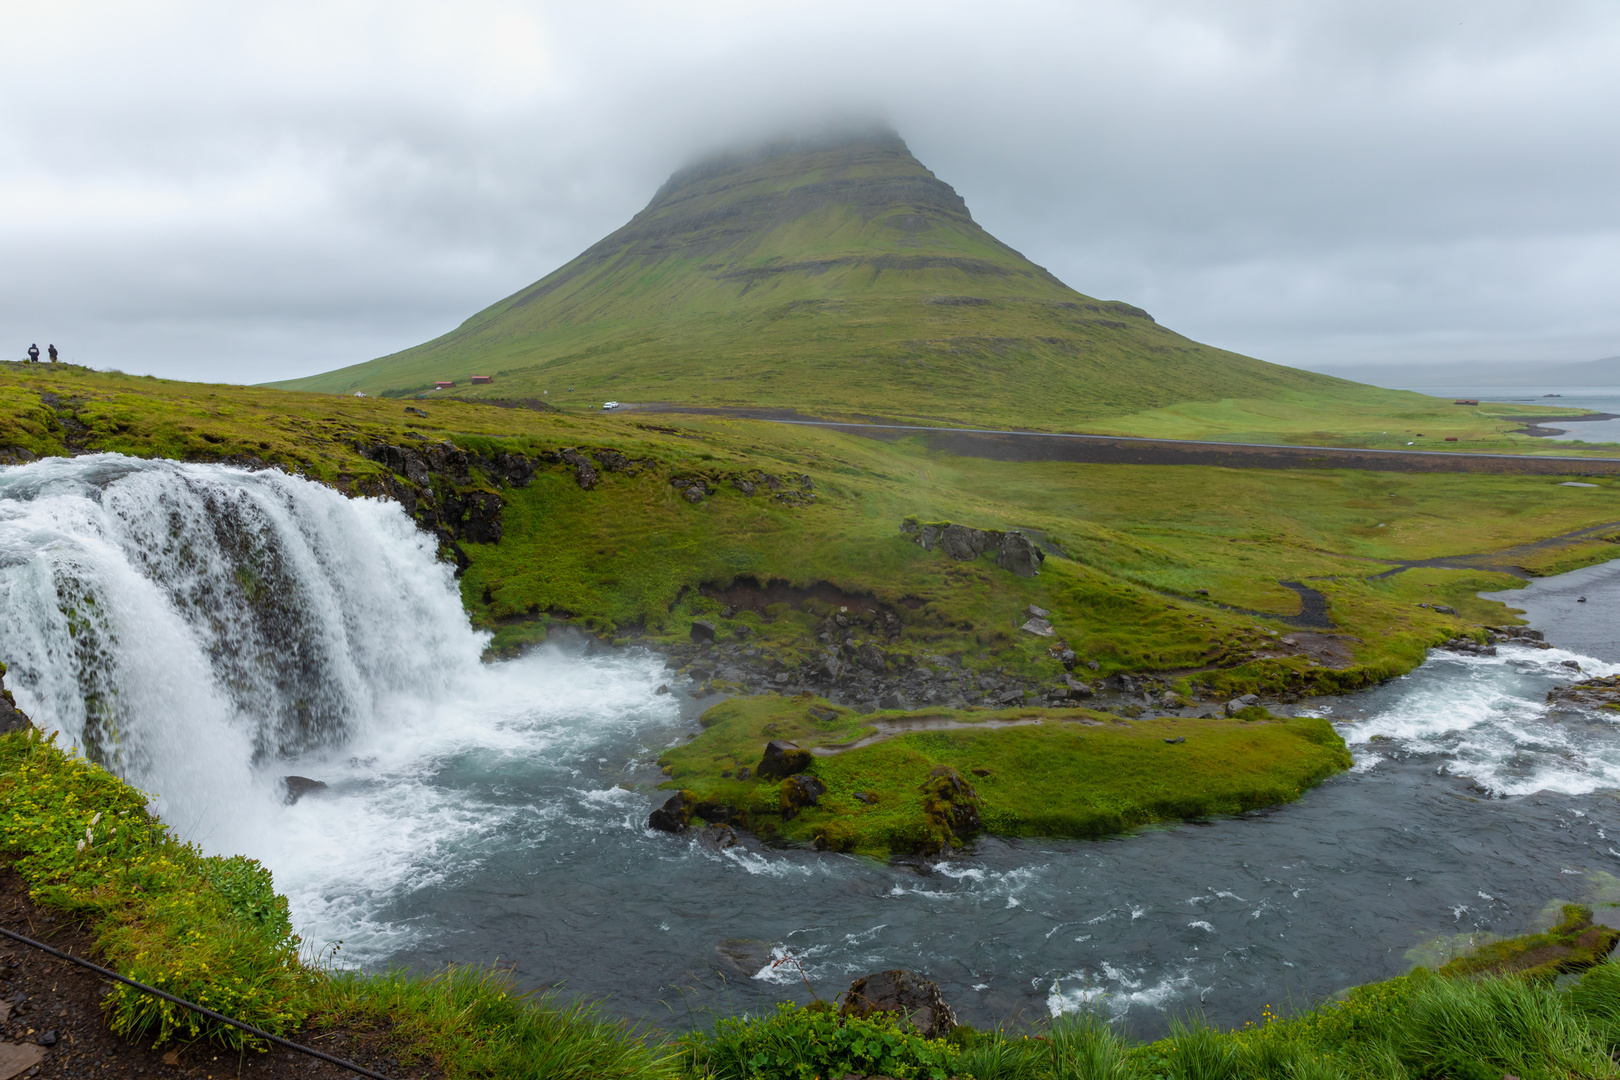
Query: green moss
[[1044, 772], [1574, 944]]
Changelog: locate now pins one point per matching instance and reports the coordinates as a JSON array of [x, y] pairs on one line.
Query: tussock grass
[[477, 1022]]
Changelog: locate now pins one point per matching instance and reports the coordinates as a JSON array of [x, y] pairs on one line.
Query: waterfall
[[189, 626]]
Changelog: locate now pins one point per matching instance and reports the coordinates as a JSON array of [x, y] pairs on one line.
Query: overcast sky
[[244, 192]]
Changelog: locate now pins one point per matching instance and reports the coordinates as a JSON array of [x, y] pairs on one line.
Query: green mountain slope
[[832, 277]]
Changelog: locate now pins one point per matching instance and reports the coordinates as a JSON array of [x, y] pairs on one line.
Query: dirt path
[[998, 445]]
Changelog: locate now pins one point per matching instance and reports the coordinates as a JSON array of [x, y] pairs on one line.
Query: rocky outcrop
[[296, 787], [782, 759], [11, 717], [799, 792], [1019, 554], [952, 805], [913, 1000], [1469, 645], [675, 815], [584, 472], [793, 489], [1600, 693], [1014, 550]]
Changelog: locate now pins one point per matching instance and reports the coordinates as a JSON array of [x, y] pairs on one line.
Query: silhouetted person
[[51, 349], [33, 354]]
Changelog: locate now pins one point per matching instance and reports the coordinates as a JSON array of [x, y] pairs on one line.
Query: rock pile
[[1014, 550], [1600, 693], [793, 490], [1469, 645], [1520, 635]]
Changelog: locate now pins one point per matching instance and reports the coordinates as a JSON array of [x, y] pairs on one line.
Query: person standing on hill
[[51, 350], [33, 354]]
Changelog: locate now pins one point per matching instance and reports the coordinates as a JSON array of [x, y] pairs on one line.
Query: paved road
[[1003, 445]]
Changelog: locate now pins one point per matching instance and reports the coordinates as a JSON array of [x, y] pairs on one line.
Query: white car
[[610, 405]]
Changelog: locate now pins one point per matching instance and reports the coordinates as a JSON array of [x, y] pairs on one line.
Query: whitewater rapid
[[205, 631]]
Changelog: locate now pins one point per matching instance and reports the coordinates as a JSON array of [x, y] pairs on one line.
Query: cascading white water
[[204, 630], [182, 624]]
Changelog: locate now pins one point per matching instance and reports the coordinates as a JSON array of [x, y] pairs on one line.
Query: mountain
[[833, 276]]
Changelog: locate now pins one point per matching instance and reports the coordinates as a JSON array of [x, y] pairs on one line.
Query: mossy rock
[[1575, 944]]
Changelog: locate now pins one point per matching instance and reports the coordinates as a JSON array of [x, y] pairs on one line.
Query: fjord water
[[205, 631]]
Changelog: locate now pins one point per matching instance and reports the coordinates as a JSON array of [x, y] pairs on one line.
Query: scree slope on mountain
[[839, 277]]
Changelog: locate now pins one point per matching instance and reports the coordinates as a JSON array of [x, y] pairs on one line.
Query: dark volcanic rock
[[1600, 693], [299, 786], [742, 956], [584, 472], [675, 815], [917, 1002], [1019, 554], [782, 759], [702, 630], [799, 792], [1469, 645], [963, 542], [718, 837], [11, 717], [871, 658]]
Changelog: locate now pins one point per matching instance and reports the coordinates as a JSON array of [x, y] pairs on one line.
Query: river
[[207, 630]]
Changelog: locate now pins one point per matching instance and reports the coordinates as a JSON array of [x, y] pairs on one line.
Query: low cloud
[[240, 193]]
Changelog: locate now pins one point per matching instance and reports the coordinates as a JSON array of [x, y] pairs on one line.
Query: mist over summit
[[832, 271]]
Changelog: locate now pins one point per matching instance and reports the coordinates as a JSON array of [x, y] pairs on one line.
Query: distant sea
[[1604, 399]]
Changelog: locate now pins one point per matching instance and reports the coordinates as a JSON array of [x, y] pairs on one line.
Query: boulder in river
[[718, 837], [744, 957], [675, 815], [915, 1000], [782, 759], [299, 786]]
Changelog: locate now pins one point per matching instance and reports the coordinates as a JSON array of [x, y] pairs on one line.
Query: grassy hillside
[[837, 278], [1130, 546]]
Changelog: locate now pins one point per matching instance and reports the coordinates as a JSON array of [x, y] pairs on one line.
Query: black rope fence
[[210, 1013]]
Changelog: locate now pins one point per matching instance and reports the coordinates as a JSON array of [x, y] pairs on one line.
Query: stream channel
[[205, 631]]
